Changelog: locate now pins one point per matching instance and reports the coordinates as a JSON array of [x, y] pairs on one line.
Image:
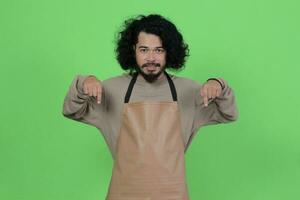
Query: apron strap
[[172, 86], [130, 87], [133, 80]]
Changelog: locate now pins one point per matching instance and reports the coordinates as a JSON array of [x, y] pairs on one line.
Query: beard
[[151, 77]]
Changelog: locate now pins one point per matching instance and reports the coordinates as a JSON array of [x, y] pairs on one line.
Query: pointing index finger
[[205, 100], [204, 95], [98, 95]]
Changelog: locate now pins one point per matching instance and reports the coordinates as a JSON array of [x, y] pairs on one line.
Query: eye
[[160, 51], [143, 50]]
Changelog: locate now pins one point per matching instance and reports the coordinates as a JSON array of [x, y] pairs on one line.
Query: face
[[150, 56]]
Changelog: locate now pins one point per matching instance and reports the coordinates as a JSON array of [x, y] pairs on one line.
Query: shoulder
[[117, 79], [184, 83], [115, 87], [187, 90], [120, 80]]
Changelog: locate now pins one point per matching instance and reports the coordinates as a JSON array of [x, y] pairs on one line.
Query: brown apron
[[149, 162]]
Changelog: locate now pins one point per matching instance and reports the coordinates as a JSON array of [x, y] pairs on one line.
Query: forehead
[[148, 40]]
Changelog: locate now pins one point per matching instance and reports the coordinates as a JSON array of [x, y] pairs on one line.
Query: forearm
[[222, 109], [226, 103], [75, 102]]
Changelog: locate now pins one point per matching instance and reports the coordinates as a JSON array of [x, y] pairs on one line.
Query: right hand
[[92, 86]]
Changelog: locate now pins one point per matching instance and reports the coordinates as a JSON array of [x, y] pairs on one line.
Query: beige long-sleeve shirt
[[106, 117]]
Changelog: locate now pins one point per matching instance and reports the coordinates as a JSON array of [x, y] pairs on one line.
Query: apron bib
[[149, 162]]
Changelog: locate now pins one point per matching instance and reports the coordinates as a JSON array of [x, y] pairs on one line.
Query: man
[[148, 117]]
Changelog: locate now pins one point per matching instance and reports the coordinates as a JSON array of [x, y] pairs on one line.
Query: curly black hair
[[172, 41]]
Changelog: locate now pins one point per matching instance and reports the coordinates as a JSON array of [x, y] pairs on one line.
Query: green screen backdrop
[[253, 44]]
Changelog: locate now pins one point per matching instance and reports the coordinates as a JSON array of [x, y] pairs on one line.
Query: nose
[[151, 56]]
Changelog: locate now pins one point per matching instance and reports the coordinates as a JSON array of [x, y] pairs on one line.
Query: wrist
[[220, 82]]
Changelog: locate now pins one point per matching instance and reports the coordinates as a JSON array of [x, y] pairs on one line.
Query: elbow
[[228, 117], [65, 113], [69, 115], [67, 110], [233, 116], [72, 113]]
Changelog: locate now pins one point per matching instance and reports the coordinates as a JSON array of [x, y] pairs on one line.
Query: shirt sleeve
[[83, 108], [222, 109]]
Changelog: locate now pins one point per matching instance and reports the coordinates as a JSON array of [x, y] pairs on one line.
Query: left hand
[[210, 90]]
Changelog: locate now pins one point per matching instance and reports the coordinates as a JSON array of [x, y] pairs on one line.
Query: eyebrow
[[160, 47]]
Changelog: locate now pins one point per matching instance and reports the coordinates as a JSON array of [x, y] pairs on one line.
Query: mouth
[[151, 67]]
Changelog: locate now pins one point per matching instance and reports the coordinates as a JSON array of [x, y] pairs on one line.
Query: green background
[[253, 44]]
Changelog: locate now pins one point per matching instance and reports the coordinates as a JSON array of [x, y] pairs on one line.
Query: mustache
[[148, 64]]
